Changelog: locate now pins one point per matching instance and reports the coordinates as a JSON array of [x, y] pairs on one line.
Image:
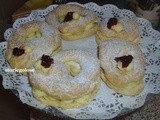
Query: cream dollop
[[118, 27]]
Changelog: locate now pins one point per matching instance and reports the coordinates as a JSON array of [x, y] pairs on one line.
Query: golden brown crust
[[74, 74], [81, 27], [129, 89], [66, 104], [129, 32], [23, 37], [80, 33], [127, 81]]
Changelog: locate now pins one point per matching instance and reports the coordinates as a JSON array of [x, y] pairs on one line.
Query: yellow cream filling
[[78, 102], [33, 35], [73, 67], [40, 69], [118, 27], [130, 67], [126, 90], [60, 18], [28, 49], [91, 25], [75, 16]]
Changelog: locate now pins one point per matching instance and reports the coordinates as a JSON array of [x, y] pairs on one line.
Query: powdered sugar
[[114, 48], [60, 83], [86, 16], [39, 45], [106, 105], [87, 44]]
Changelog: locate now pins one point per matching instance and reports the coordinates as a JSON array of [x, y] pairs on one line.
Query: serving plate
[[107, 104]]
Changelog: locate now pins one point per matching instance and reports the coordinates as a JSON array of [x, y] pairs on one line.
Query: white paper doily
[[107, 103]]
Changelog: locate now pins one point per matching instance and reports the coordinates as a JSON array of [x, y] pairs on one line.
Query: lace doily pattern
[[107, 103]]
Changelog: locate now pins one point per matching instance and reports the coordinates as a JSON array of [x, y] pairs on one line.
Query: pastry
[[70, 79], [122, 64], [29, 42], [73, 21], [120, 28]]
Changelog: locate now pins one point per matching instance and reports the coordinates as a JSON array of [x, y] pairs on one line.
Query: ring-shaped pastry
[[73, 21], [29, 42], [70, 79], [122, 64], [120, 28]]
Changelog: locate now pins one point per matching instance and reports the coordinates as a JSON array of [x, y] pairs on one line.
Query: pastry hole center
[[44, 65], [91, 25], [125, 62], [18, 51], [69, 17], [73, 67], [33, 34]]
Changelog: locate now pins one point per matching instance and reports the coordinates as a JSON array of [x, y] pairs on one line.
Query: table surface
[[11, 107]]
